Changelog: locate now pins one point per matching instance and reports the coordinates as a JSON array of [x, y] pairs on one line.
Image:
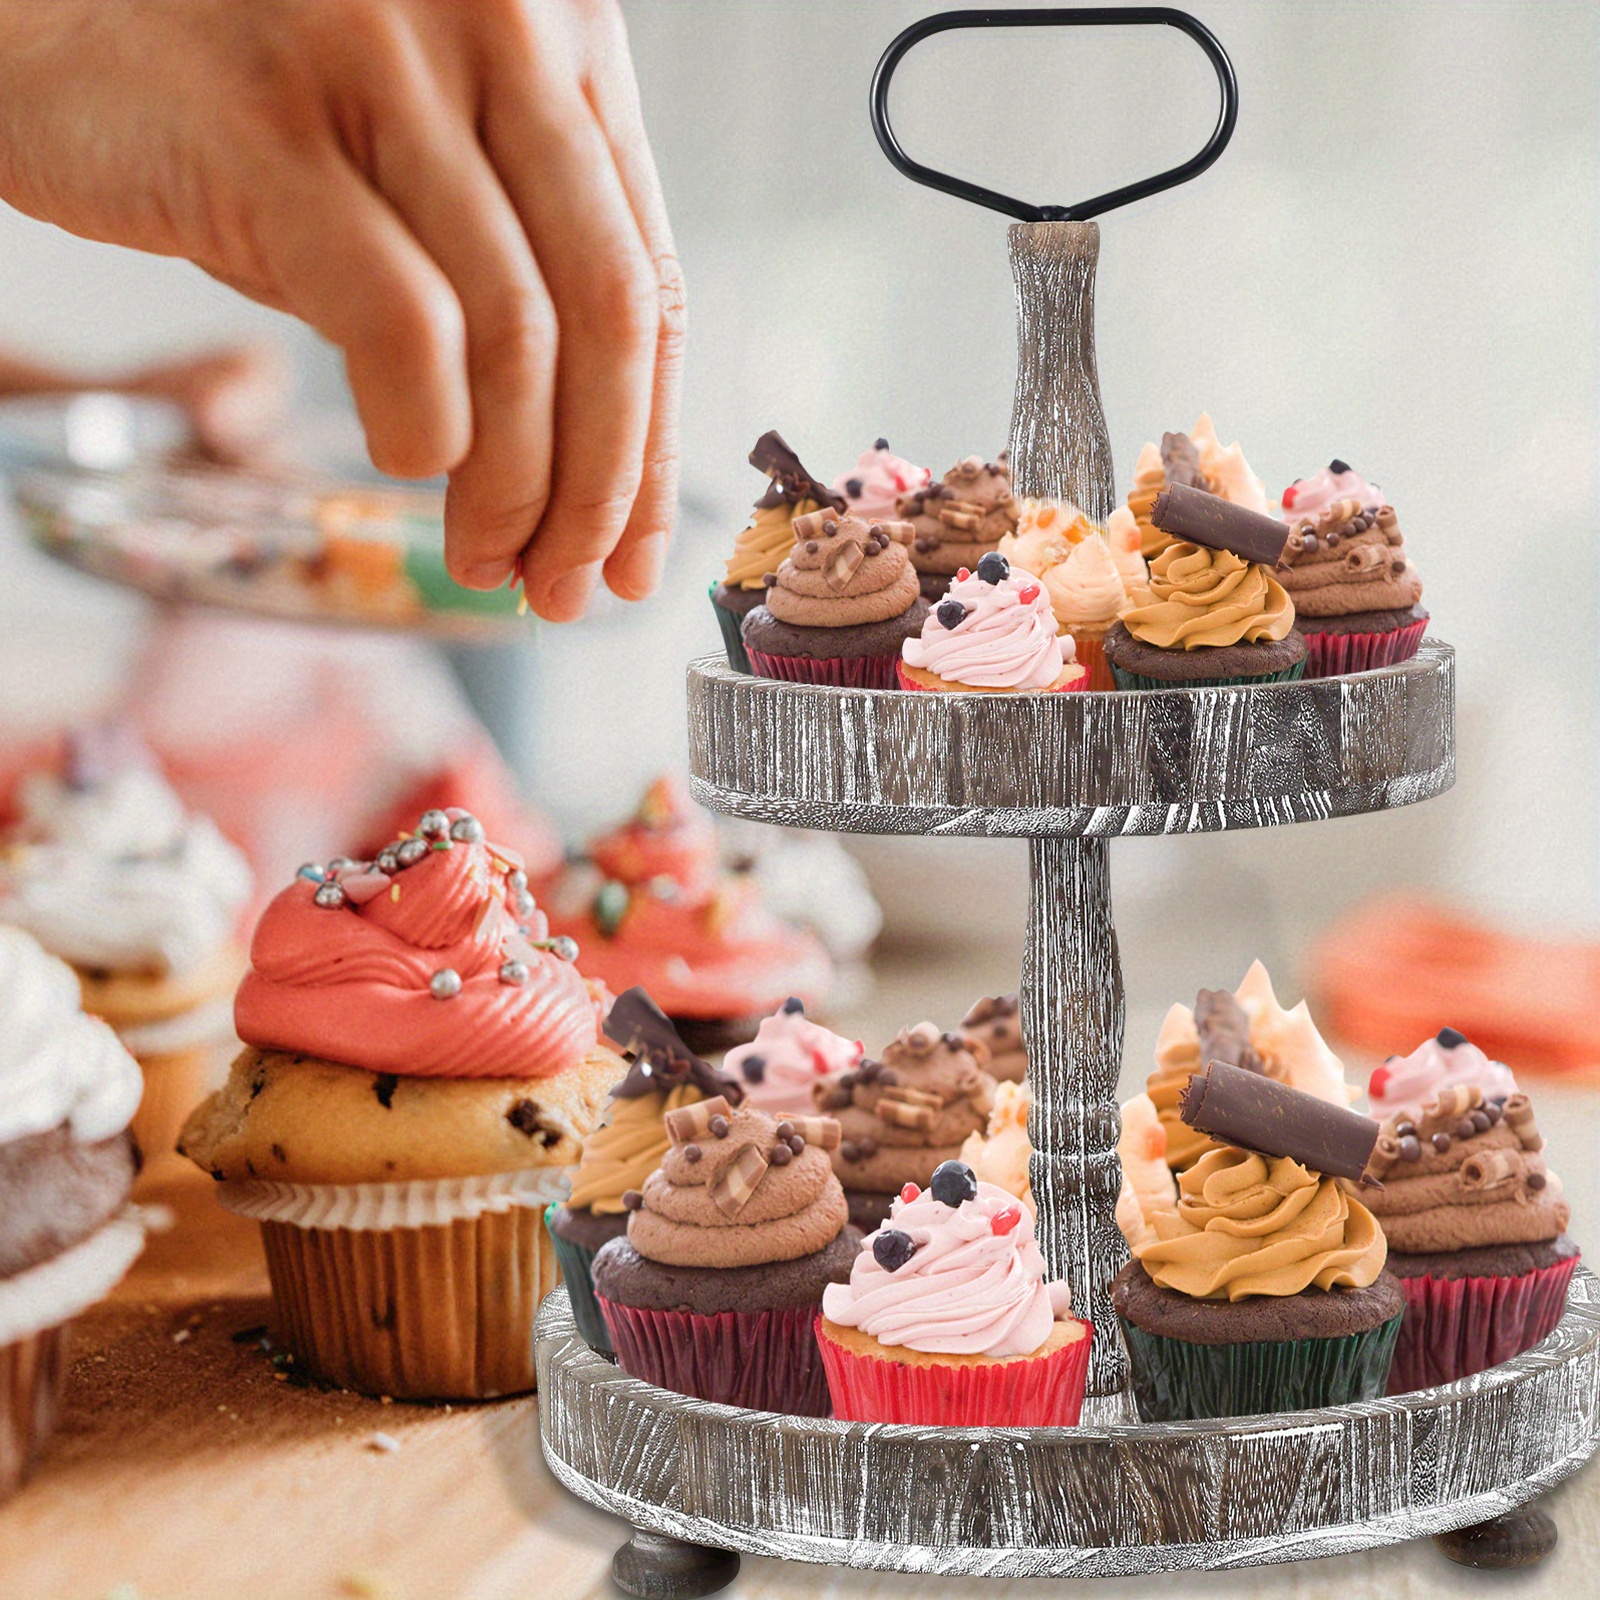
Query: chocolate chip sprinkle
[[384, 1086], [691, 1153], [1441, 1142], [632, 1200], [769, 580], [779, 1155], [1465, 1128], [1410, 1148], [1536, 1181], [786, 1131], [853, 487], [812, 547], [718, 1127], [796, 1143]]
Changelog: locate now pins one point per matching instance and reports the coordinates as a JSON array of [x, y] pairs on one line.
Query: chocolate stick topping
[[1218, 524], [661, 1060], [1224, 1030], [773, 457]]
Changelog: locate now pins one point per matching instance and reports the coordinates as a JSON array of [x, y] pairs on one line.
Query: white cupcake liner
[[378, 1207], [57, 1290]]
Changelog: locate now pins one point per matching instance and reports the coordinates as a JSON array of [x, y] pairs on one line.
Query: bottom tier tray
[[1104, 1499]]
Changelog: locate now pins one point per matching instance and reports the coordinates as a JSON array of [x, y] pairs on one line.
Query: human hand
[[457, 193]]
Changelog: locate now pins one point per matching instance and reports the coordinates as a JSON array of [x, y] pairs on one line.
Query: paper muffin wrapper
[[575, 1262], [377, 1207], [1031, 1392], [1330, 655], [33, 1372], [762, 1360], [903, 680], [1453, 1327], [842, 672], [443, 1312], [1138, 680], [1091, 653], [175, 1082], [1175, 1381], [730, 623]]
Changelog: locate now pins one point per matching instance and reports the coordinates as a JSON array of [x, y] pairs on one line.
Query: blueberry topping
[[852, 487], [953, 1182], [794, 1006], [1449, 1038], [754, 1068], [994, 568], [880, 443], [1336, 465], [891, 1249], [951, 613]]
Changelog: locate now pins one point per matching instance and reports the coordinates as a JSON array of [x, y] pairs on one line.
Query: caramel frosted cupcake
[[715, 1288], [1198, 460], [839, 608], [996, 1022], [959, 520], [901, 1116], [1355, 591]]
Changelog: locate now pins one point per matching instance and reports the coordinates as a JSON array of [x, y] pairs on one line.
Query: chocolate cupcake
[[959, 520], [901, 1116], [1198, 460], [996, 1022]]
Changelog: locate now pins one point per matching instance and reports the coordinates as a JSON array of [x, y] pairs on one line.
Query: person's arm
[[457, 193]]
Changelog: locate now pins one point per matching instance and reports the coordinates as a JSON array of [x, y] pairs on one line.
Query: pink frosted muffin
[[874, 487], [788, 1057], [1449, 1060], [947, 1318]]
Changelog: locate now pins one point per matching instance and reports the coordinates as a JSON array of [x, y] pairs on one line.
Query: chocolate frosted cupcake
[[664, 1076], [716, 1287], [959, 520], [1197, 460], [840, 607], [996, 1022], [901, 1116], [1354, 589], [1476, 1226], [767, 539]]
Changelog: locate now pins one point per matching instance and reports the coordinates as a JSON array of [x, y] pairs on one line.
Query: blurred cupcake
[[1001, 1153], [1449, 1060], [1198, 460], [947, 1319], [731, 1242], [1126, 545], [67, 1164], [996, 1021], [142, 898], [422, 1067], [839, 608], [788, 1057], [1148, 1187], [652, 907], [1263, 1290], [1087, 595], [768, 538], [875, 486], [901, 1117], [1476, 1225], [994, 632], [1355, 592], [664, 1076], [959, 520]]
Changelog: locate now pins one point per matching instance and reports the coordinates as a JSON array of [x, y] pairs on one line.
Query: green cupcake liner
[[1138, 680], [575, 1263], [732, 639], [1175, 1381]]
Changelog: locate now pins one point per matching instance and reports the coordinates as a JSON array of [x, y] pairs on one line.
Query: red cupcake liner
[[1331, 655], [904, 681], [1454, 1327], [842, 672], [1030, 1392], [1091, 653], [762, 1360]]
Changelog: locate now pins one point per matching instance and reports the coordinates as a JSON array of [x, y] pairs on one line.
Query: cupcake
[[68, 1089], [731, 1243], [1148, 1187], [996, 1022], [875, 486], [1355, 592], [838, 609], [1263, 1290], [768, 538], [1217, 615], [664, 1075], [1126, 545], [1476, 1225], [902, 1116], [959, 520], [788, 1057], [1248, 1028], [1001, 1153], [994, 632], [947, 1320], [1087, 595], [1449, 1060], [1198, 460], [653, 907], [422, 1067], [142, 898]]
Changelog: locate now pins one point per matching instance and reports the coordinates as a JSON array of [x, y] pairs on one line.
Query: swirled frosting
[[108, 871], [1147, 1183], [788, 1057], [57, 1066], [873, 488], [995, 1022], [1004, 638], [1197, 458], [956, 521], [1209, 597], [667, 837], [844, 571], [1401, 1086], [1347, 558], [1248, 1224], [1000, 1154], [1309, 497], [622, 1154], [761, 547], [974, 1284], [419, 968], [1126, 544], [1086, 590]]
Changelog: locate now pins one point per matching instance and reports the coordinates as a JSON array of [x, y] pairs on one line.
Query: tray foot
[[655, 1566], [1518, 1539]]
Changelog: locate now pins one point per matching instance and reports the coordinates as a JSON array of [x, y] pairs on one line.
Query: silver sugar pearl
[[434, 824], [467, 830], [411, 852], [563, 947], [514, 972], [388, 862], [340, 864], [329, 896], [518, 879], [445, 984], [525, 904]]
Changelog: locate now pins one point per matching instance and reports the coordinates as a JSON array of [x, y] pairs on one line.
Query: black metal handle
[[1056, 17]]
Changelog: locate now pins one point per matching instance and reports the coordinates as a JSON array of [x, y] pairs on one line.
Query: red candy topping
[[1004, 1221], [1289, 498], [1028, 595], [963, 575], [910, 1193], [1379, 1082]]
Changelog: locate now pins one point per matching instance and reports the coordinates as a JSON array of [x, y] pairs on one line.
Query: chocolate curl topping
[[1519, 1119], [1218, 524], [1224, 1030], [1181, 459], [661, 1060], [1384, 1155], [689, 1123], [824, 1132], [1256, 1113], [732, 1191], [1488, 1169], [773, 457]]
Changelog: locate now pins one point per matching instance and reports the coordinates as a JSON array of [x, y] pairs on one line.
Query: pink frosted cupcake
[[993, 633], [873, 488], [947, 1318], [1449, 1060], [788, 1057]]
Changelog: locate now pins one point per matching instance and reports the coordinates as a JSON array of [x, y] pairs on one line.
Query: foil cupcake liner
[[1175, 1381], [1453, 1327], [730, 623], [1138, 680], [575, 1262], [1331, 655], [842, 672], [761, 1360], [33, 1372], [1030, 1392]]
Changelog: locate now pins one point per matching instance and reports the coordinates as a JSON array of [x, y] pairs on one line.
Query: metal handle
[[1056, 17]]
